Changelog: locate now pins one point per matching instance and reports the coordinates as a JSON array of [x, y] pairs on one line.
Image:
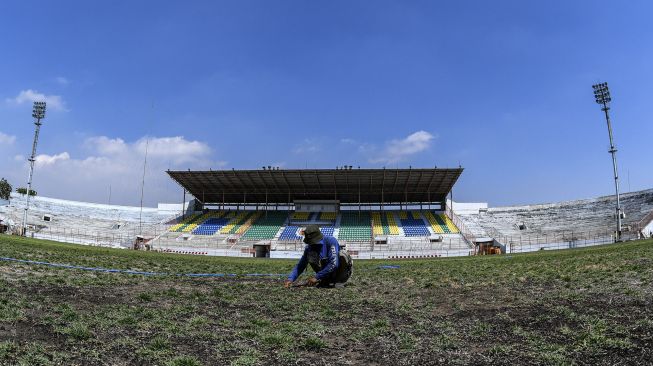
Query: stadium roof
[[349, 186]]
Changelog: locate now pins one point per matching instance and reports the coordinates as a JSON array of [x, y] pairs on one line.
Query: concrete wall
[[467, 208], [168, 208]]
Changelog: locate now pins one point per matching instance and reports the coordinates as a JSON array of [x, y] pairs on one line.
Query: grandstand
[[361, 207], [87, 223], [564, 221], [376, 213]]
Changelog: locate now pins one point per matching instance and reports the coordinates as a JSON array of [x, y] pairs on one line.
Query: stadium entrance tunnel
[[262, 250]]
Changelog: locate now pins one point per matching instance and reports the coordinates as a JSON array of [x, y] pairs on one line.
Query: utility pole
[[602, 95], [38, 112]]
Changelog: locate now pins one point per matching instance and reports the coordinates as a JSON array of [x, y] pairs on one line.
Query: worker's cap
[[312, 234]]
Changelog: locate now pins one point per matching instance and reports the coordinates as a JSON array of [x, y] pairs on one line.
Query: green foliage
[[23, 190], [5, 189]]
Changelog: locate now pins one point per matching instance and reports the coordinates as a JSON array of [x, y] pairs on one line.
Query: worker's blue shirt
[[327, 249]]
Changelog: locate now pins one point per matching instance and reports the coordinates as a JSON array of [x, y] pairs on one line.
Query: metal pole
[[183, 206], [602, 95], [38, 112], [613, 152], [140, 215]]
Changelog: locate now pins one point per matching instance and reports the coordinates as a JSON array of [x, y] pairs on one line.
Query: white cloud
[[177, 149], [117, 163], [106, 146], [399, 150], [54, 102], [6, 139], [307, 146], [62, 80], [347, 141], [44, 159], [174, 150]]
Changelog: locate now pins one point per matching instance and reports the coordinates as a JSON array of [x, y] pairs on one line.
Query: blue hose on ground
[[144, 273], [126, 271]]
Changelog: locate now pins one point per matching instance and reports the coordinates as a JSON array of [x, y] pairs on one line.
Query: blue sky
[[502, 88]]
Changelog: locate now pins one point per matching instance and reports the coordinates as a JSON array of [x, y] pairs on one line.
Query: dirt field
[[587, 306]]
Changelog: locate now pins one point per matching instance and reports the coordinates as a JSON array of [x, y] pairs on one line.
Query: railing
[[643, 223], [464, 231], [561, 240], [451, 245]]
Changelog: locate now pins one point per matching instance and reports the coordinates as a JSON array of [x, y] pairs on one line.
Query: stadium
[[376, 213], [181, 298]]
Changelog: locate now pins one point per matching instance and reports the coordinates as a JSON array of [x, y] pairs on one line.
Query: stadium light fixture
[[38, 112], [602, 96]]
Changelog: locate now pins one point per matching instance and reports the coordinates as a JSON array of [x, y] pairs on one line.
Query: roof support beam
[[407, 181], [317, 179], [394, 186], [428, 189], [301, 178]]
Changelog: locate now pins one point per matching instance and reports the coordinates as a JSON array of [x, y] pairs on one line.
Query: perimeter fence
[[160, 239], [561, 240]]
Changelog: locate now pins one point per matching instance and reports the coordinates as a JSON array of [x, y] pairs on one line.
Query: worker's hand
[[312, 281], [287, 283]]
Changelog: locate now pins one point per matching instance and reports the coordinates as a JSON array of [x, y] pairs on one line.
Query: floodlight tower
[[602, 95], [38, 112]]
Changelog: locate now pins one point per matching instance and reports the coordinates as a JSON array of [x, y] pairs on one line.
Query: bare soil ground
[[586, 307]]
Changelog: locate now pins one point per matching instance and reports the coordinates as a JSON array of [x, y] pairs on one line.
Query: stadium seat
[[414, 226], [355, 226], [266, 226], [392, 223], [328, 216]]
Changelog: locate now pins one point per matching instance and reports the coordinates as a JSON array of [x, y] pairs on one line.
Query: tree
[[23, 190], [5, 189]]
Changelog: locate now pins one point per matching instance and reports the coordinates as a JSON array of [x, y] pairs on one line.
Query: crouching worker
[[332, 264]]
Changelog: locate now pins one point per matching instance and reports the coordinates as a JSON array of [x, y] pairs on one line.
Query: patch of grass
[[160, 343], [407, 341], [249, 358], [145, 297], [78, 331], [314, 343], [481, 329], [184, 361], [10, 309], [34, 355], [66, 313], [7, 350], [198, 321], [276, 340]]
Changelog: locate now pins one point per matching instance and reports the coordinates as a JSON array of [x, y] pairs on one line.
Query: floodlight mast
[[38, 112], [602, 95]]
